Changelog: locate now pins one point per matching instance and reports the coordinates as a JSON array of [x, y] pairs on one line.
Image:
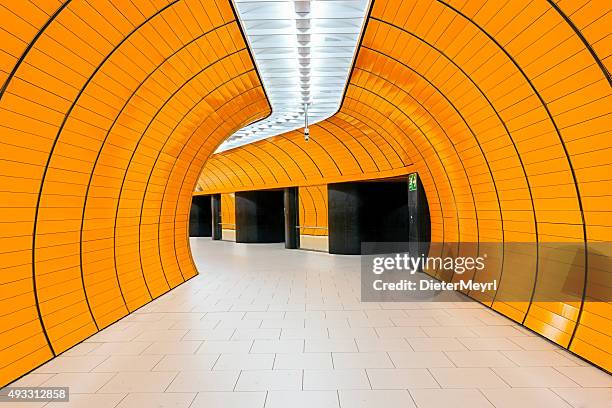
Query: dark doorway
[[200, 217], [260, 217], [372, 211]]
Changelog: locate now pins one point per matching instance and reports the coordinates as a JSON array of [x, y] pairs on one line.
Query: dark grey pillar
[[292, 236], [419, 230], [215, 203], [199, 217]]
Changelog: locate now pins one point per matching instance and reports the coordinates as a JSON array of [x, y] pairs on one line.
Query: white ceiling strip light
[[304, 51]]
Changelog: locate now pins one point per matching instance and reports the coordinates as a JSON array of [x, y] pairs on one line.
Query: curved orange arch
[[108, 115]]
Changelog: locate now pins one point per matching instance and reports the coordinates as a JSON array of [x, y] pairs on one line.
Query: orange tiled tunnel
[[109, 113]]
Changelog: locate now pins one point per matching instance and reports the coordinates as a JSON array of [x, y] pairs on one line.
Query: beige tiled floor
[[262, 326]]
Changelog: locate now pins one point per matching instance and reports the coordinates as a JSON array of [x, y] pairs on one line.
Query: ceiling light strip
[[304, 52]]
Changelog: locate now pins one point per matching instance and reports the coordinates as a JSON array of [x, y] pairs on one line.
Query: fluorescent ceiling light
[[303, 51]]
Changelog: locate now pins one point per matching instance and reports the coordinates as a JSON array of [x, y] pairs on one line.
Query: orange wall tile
[[228, 211], [313, 210]]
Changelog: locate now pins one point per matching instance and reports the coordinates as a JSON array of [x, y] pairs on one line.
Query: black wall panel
[[260, 216], [200, 217], [345, 206]]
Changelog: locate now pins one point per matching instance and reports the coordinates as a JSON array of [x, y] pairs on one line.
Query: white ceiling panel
[[303, 51]]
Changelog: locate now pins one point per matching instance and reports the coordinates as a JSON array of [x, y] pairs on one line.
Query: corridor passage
[[262, 326]]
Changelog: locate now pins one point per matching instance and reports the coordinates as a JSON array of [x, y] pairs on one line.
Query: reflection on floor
[[264, 326]]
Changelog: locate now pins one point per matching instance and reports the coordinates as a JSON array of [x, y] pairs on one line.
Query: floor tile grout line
[[195, 352], [390, 359], [171, 381], [237, 379], [251, 347], [485, 396], [215, 363], [412, 398], [193, 399], [552, 389], [121, 400], [434, 377], [452, 361], [500, 377], [555, 368], [107, 381], [368, 377], [99, 364]]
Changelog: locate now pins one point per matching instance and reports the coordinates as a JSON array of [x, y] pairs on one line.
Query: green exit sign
[[412, 182]]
